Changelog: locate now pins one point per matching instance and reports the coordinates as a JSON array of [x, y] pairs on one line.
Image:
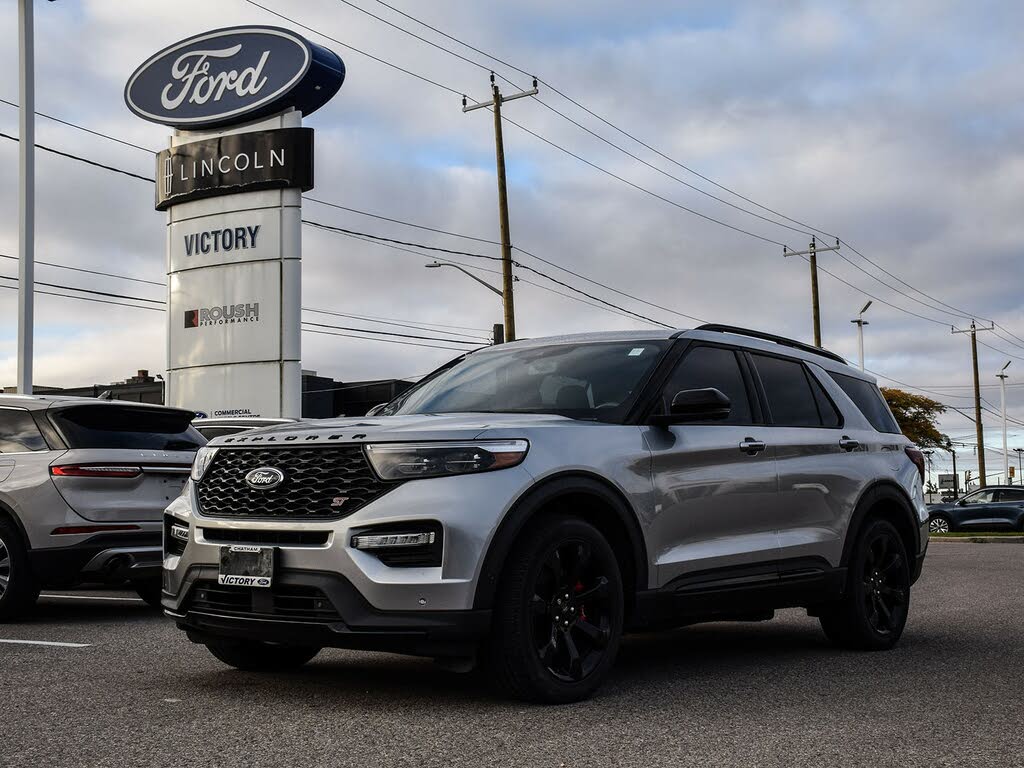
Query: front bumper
[[319, 609]]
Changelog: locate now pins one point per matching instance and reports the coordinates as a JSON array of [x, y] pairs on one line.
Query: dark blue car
[[994, 508]]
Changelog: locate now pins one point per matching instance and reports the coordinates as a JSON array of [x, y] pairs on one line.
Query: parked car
[[529, 502], [997, 507], [232, 425], [83, 485]]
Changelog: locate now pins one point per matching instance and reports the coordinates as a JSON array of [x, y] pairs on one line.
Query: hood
[[447, 426]]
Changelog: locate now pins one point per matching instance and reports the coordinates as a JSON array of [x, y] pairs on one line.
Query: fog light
[[386, 540], [179, 532]]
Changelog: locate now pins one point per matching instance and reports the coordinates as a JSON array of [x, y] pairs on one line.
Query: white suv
[[530, 502]]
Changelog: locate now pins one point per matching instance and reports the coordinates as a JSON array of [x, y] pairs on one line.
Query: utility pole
[[973, 330], [860, 323], [26, 195], [497, 99], [1003, 376], [956, 477], [812, 257]]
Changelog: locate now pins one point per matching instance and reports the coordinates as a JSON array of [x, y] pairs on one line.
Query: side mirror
[[706, 404], [376, 409]]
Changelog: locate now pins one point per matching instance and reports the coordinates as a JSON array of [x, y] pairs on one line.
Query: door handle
[[848, 443], [752, 447]]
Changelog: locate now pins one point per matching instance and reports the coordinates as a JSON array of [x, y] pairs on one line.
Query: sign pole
[[26, 197]]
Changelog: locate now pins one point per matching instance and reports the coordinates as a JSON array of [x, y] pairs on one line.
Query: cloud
[[845, 116]]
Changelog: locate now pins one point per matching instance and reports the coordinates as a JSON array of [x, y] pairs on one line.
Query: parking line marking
[[94, 597], [47, 642]]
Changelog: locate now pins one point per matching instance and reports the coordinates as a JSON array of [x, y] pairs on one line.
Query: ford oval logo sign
[[264, 478], [233, 75]]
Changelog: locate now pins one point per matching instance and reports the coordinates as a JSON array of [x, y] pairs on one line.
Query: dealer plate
[[246, 566]]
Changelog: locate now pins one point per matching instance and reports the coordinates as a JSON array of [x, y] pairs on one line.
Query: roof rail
[[782, 340]]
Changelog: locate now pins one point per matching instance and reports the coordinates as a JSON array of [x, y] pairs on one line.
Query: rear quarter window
[[19, 433], [114, 426], [869, 400]]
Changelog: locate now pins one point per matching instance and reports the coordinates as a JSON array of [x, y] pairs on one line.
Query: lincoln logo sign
[[232, 76], [240, 162], [264, 478]]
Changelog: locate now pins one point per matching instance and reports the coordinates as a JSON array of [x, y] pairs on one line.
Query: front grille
[[285, 602], [319, 483], [282, 538]]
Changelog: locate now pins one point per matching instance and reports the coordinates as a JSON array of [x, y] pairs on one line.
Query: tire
[[872, 612], [257, 656], [19, 588], [939, 524], [151, 592], [558, 613]]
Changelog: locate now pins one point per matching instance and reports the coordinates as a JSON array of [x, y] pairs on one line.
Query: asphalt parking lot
[[136, 693]]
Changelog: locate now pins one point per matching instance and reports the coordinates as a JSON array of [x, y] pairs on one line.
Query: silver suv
[[528, 503], [83, 486]]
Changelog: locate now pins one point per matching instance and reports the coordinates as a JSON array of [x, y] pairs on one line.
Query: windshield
[[582, 381]]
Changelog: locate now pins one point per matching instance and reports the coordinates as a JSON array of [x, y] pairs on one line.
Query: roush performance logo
[[228, 314]]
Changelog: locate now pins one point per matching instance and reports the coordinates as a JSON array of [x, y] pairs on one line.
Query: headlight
[[406, 461], [204, 456]]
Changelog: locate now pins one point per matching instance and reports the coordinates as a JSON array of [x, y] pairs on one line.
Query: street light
[[498, 328], [860, 323], [1003, 376]]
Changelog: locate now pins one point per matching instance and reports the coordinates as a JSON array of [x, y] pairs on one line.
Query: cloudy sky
[[895, 126]]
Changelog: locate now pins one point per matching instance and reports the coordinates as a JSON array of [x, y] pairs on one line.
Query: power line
[[400, 322], [388, 240], [83, 128], [82, 159], [89, 271], [387, 341], [603, 120], [86, 298], [89, 291], [388, 333], [358, 50], [399, 221], [574, 122]]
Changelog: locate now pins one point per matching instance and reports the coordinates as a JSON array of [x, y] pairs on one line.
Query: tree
[[916, 415]]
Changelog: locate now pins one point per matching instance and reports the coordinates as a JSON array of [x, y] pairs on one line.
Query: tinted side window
[[790, 397], [711, 367], [830, 416], [869, 400], [1008, 495], [19, 433]]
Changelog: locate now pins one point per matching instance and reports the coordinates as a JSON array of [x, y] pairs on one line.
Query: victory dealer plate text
[[246, 566]]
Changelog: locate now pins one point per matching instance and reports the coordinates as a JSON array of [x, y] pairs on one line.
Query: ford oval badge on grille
[[264, 478]]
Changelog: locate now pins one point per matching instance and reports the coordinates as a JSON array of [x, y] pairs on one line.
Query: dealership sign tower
[[231, 182]]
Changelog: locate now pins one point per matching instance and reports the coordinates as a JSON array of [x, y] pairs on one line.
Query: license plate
[[246, 566]]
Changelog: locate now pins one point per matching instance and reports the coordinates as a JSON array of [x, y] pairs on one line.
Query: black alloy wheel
[[571, 612], [19, 587], [558, 612], [873, 609], [885, 583]]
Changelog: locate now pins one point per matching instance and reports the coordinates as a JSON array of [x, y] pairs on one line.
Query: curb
[[979, 539]]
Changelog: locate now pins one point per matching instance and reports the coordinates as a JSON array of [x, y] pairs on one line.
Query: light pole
[[1003, 376], [860, 322], [26, 195], [498, 328]]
